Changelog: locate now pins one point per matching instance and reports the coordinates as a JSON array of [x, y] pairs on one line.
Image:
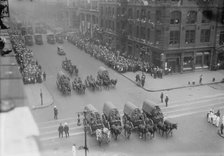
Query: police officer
[[60, 130]]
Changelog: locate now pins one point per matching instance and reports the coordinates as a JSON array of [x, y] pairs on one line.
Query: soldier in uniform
[[60, 130], [66, 129]]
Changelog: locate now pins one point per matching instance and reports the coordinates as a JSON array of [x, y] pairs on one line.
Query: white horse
[[213, 119], [103, 135]]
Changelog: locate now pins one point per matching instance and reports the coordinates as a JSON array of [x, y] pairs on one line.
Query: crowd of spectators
[[109, 56], [30, 69]]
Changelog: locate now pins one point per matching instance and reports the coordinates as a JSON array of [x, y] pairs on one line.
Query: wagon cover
[[148, 106], [109, 109], [130, 109], [90, 108]]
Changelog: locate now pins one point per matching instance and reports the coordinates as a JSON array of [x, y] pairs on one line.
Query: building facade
[[179, 34]]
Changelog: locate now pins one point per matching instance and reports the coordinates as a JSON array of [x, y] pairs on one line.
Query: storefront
[[188, 61], [173, 62], [202, 59]]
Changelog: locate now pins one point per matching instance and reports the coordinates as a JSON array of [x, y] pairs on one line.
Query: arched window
[[175, 17], [206, 16], [118, 11], [109, 11], [191, 17]]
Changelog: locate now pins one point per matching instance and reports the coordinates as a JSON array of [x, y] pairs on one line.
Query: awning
[[206, 53]]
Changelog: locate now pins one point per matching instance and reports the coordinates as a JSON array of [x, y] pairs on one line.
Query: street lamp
[[85, 130]]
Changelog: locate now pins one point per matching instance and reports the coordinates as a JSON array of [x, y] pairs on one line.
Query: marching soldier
[[60, 130]]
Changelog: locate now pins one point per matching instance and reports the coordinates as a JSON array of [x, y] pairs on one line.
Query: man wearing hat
[[55, 112], [66, 129], [60, 130]]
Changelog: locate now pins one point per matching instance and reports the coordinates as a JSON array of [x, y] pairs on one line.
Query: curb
[[168, 89], [158, 90], [44, 106]]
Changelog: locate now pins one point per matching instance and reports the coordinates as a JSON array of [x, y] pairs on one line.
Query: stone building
[[179, 34]]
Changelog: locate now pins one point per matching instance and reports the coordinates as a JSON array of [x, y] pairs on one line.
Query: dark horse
[[170, 126], [151, 129], [162, 128], [116, 130]]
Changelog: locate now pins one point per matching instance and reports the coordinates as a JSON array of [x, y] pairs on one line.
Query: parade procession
[[112, 77]]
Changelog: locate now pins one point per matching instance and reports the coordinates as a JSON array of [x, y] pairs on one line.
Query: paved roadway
[[194, 134]]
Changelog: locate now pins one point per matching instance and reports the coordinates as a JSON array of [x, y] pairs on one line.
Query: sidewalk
[[32, 92], [175, 81]]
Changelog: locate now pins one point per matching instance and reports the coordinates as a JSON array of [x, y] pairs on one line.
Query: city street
[[188, 108]]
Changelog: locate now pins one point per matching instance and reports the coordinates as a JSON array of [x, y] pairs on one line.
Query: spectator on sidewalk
[[60, 130], [221, 129], [166, 100], [44, 76], [161, 97], [66, 129], [200, 80], [55, 112], [143, 80]]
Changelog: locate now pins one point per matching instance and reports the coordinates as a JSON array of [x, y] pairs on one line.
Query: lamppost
[[85, 130]]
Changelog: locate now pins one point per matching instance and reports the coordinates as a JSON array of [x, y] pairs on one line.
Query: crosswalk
[[48, 129]]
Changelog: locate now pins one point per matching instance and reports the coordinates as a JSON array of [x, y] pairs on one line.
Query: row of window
[[174, 35]]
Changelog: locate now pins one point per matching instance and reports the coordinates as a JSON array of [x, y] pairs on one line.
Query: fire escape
[[123, 20]]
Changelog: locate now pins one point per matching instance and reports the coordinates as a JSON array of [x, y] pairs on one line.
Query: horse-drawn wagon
[[111, 118], [63, 83], [152, 111], [69, 67], [133, 114], [95, 125], [103, 76]]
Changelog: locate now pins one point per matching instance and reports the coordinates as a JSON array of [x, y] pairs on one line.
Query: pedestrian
[[78, 123], [73, 150], [200, 80], [161, 97], [44, 76], [60, 130], [66, 129], [143, 80], [41, 97], [166, 100], [55, 112], [221, 128]]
